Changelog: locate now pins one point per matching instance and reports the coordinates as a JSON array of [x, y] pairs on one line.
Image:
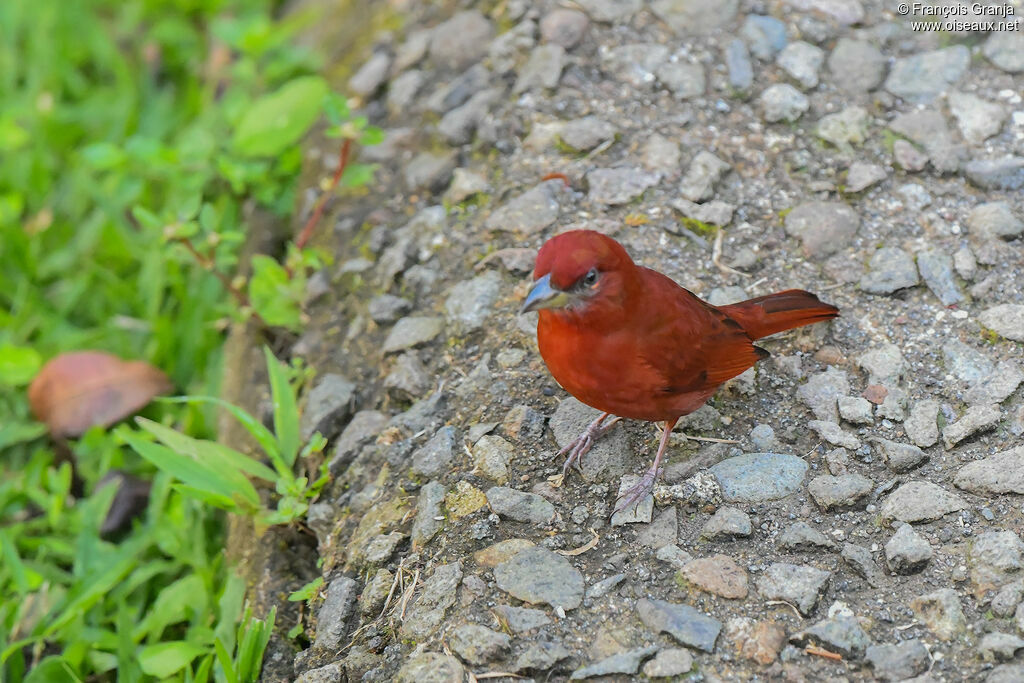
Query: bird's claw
[[582, 444], [638, 491]]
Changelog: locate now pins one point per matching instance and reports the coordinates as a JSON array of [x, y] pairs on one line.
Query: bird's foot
[[579, 447], [636, 493]]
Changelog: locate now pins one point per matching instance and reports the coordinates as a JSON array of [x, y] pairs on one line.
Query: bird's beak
[[544, 295]]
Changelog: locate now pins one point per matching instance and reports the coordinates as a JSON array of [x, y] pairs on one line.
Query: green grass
[[128, 129]]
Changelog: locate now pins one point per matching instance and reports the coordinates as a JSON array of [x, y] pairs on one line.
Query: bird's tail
[[779, 311]]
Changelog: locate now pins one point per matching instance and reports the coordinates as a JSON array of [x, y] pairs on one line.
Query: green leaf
[[230, 609], [18, 364], [52, 669], [371, 136], [358, 175], [218, 455], [307, 591], [103, 155], [172, 605], [262, 435], [271, 294], [166, 659], [20, 432], [275, 121], [286, 412]]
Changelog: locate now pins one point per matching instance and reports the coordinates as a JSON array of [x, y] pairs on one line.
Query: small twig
[[787, 604], [589, 545], [409, 593], [207, 263], [709, 439], [557, 176], [497, 674], [321, 202], [821, 652], [831, 287], [753, 285], [716, 256]]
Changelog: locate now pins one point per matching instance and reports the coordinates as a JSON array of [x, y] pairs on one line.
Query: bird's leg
[[582, 443], [638, 491]]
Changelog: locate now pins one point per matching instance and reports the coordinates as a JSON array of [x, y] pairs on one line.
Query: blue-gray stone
[[737, 59], [758, 477], [765, 35], [682, 622]]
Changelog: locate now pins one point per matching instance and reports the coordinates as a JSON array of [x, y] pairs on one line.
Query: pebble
[[435, 457], [541, 655], [491, 456], [714, 212], [543, 70], [1006, 320], [1005, 173], [371, 75], [765, 35], [431, 667], [920, 501], [783, 102], [759, 477], [976, 419], [428, 508], [900, 661], [530, 212], [1005, 602], [611, 11], [856, 66], [900, 457], [522, 619], [845, 128], [997, 474], [459, 90], [855, 409], [802, 61], [726, 523], [413, 50], [844, 491], [756, 640], [461, 41], [333, 615], [997, 646], [684, 80], [610, 456], [993, 220], [523, 423], [834, 434], [623, 663], [662, 531], [471, 302], [800, 585], [428, 171], [1005, 49], [863, 564], [684, 623], [801, 536], [364, 425], [604, 586], [936, 268], [408, 379], [862, 175], [718, 574], [841, 633], [674, 555], [922, 77], [977, 119], [737, 61], [941, 613], [660, 154], [965, 262], [762, 437], [821, 392], [478, 645], [996, 387], [329, 404], [586, 133], [824, 228], [928, 129], [670, 662], [889, 270], [907, 156], [520, 506], [537, 575], [330, 673], [386, 308], [846, 12], [615, 186], [375, 594], [967, 364], [695, 17], [634, 64], [995, 559], [704, 172], [380, 549], [565, 27], [907, 551]]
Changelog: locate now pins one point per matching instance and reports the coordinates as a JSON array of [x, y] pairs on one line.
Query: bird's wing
[[691, 344]]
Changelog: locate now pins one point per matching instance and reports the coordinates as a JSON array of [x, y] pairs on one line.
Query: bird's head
[[578, 271]]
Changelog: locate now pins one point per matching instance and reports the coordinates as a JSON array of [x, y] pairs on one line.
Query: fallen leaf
[[82, 389], [875, 393]]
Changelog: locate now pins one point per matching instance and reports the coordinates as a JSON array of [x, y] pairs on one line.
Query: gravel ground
[[863, 523]]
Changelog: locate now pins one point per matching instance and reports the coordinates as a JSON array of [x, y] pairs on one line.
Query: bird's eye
[[590, 279]]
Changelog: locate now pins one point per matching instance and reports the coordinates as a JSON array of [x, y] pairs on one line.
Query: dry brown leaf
[[82, 389], [592, 543]]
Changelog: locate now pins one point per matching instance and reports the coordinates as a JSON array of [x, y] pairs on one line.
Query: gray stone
[[821, 391], [541, 655], [995, 559], [928, 129], [460, 124], [611, 11], [783, 102], [371, 602], [623, 663], [797, 584], [386, 308], [998, 386], [921, 77], [674, 555], [610, 456], [824, 227], [965, 262], [431, 667], [543, 70], [714, 212], [530, 212], [523, 423], [863, 564], [920, 501], [845, 128], [695, 17], [996, 474], [978, 119], [907, 551], [704, 172], [900, 457], [660, 154], [997, 646], [604, 586], [428, 509], [834, 434], [565, 27], [976, 419], [1004, 603], [614, 186], [537, 575], [683, 79], [936, 268], [759, 477], [889, 270], [861, 176], [668, 663], [1006, 173], [465, 184], [727, 522], [907, 156], [915, 197], [845, 12], [1005, 49], [471, 302], [802, 61], [458, 90], [994, 220], [737, 60], [520, 506], [842, 633], [478, 645], [856, 66], [364, 426], [587, 133], [506, 51], [491, 455], [435, 457], [328, 405], [855, 409], [836, 493], [408, 379], [331, 620], [522, 619], [762, 437], [428, 611], [900, 661], [634, 64], [688, 626], [428, 171], [941, 613], [765, 35], [801, 536], [331, 673], [966, 363], [371, 75], [660, 532], [460, 41], [1006, 320], [412, 50]]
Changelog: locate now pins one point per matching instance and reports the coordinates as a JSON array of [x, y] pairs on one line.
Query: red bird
[[630, 342]]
